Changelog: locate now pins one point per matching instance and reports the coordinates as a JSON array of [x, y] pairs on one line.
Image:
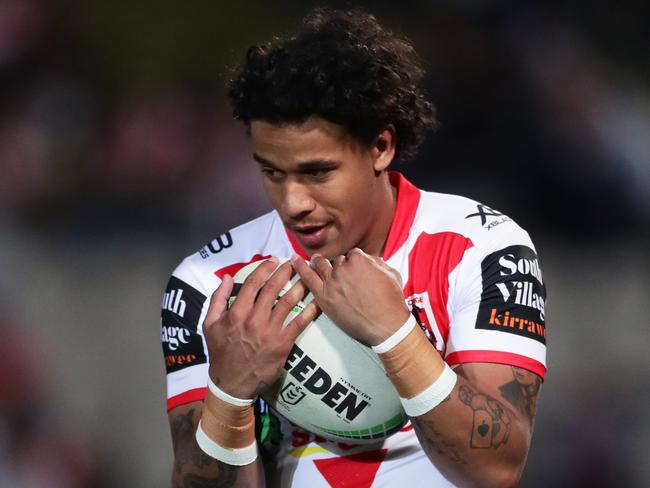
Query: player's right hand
[[248, 343]]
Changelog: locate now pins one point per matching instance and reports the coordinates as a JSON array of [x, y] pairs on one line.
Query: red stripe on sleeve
[[497, 357], [189, 396]]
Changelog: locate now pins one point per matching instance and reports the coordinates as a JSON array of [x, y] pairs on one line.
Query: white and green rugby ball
[[331, 384]]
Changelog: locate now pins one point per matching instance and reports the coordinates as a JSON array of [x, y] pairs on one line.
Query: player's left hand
[[359, 292]]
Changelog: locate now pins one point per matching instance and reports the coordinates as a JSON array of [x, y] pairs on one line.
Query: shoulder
[[262, 237], [485, 228], [494, 293]]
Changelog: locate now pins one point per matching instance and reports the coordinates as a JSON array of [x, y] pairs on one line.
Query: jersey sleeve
[[497, 303], [184, 306]]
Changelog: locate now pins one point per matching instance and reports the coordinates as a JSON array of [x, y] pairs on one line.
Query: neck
[[385, 202]]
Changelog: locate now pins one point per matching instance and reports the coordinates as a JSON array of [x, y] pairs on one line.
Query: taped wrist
[[421, 377], [227, 430]]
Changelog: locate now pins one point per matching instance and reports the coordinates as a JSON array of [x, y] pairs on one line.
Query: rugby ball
[[331, 384]]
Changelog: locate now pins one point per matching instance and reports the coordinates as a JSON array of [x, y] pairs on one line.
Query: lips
[[311, 236]]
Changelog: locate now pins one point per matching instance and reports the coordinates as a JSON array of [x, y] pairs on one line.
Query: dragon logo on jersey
[[418, 303], [514, 296]]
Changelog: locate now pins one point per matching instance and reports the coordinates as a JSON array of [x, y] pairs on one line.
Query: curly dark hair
[[342, 66]]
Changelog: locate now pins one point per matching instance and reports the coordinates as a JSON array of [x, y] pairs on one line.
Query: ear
[[383, 148]]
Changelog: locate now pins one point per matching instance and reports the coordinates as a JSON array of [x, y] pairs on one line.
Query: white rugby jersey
[[471, 278]]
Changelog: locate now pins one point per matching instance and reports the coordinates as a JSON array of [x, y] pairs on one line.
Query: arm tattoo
[[522, 392], [226, 478], [189, 455], [491, 423], [183, 430], [432, 440]]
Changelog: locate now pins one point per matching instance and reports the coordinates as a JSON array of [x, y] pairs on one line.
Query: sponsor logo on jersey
[[181, 347], [489, 217], [173, 302], [179, 320], [181, 305], [174, 336], [341, 396], [222, 242], [180, 359], [514, 296]]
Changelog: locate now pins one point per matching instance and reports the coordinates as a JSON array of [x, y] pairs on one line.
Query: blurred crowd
[[547, 101], [114, 127]]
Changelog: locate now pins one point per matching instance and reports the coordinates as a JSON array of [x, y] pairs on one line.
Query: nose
[[297, 200]]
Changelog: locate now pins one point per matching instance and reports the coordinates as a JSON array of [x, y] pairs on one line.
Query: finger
[[308, 276], [356, 252], [322, 266], [219, 301], [302, 321], [287, 301], [273, 285], [253, 283], [338, 261]]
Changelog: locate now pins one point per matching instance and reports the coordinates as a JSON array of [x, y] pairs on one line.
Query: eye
[[319, 174], [271, 173]]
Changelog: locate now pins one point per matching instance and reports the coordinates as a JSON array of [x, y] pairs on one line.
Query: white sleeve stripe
[[187, 379]]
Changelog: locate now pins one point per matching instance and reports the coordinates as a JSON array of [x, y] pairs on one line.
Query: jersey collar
[[408, 198]]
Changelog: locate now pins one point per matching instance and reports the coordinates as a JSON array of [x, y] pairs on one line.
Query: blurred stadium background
[[118, 158]]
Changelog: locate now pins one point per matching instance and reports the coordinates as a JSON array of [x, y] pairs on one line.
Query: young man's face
[[326, 186]]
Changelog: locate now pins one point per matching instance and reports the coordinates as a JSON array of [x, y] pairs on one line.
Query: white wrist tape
[[236, 457], [432, 396], [397, 337], [219, 393]]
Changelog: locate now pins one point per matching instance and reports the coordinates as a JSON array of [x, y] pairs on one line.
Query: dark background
[[118, 157]]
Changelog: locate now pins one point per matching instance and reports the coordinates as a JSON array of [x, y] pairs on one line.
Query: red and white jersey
[[472, 280]]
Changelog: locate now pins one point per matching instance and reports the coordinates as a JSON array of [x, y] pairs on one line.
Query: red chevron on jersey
[[431, 260], [354, 471]]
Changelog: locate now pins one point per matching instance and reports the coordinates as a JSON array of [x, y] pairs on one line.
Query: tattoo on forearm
[[522, 392], [433, 441], [491, 423], [226, 478], [188, 456], [183, 428]]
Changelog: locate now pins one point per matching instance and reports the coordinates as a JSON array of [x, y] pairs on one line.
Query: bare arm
[[193, 468], [248, 345], [480, 435]]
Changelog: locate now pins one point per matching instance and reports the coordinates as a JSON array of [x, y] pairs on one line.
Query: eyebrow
[[303, 166]]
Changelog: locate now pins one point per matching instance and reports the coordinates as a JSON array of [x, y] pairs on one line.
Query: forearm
[[198, 470], [195, 469], [474, 439], [474, 423]]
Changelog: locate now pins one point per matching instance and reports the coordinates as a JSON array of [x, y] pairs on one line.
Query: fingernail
[[294, 258]]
